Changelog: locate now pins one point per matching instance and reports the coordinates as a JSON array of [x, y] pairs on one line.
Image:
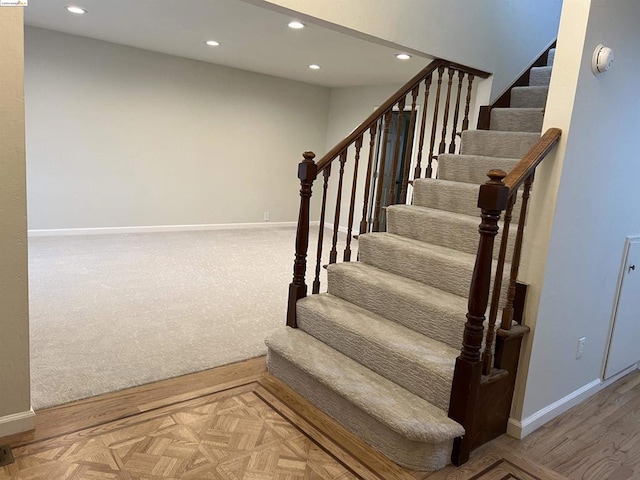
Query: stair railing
[[435, 86], [475, 367]]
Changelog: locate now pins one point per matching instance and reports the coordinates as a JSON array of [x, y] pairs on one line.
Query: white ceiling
[[251, 37]]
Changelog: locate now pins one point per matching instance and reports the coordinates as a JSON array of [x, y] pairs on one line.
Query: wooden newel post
[[493, 198], [307, 172]]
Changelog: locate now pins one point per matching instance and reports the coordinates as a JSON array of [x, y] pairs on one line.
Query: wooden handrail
[[380, 111], [531, 160]]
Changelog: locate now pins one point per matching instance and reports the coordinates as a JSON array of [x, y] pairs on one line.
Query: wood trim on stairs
[[378, 467]]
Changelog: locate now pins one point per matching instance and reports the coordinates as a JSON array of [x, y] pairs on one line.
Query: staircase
[[377, 351]]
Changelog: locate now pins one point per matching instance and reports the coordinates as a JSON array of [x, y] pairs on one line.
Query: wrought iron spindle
[[381, 167], [445, 120], [454, 130], [368, 179], [336, 219], [434, 126], [507, 313], [487, 356], [423, 125], [354, 184], [316, 282]]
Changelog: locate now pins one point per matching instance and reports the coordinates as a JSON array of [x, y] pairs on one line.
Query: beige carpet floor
[[113, 311]]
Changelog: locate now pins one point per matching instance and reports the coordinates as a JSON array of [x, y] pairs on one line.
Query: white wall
[[575, 252], [15, 414], [492, 35], [118, 136], [348, 108]]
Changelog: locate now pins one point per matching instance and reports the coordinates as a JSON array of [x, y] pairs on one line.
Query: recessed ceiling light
[[212, 43], [314, 67], [76, 10], [296, 25], [403, 56]]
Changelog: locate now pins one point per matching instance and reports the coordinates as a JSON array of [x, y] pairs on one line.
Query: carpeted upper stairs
[[377, 351]]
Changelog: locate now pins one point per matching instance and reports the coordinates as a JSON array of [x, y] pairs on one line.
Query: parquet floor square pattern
[[229, 436], [238, 422]]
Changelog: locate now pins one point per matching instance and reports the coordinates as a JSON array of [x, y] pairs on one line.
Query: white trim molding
[[341, 228], [17, 423], [62, 232], [521, 428]]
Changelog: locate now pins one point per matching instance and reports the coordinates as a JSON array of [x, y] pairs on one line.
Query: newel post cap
[[307, 169], [496, 176], [494, 195]]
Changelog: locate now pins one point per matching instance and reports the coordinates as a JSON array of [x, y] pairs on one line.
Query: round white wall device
[[601, 60]]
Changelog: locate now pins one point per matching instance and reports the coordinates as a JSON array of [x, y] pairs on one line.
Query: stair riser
[[411, 309], [409, 454], [418, 265], [529, 97], [448, 232], [471, 169], [516, 120], [490, 143], [429, 378], [443, 272], [462, 198], [434, 194], [540, 76]]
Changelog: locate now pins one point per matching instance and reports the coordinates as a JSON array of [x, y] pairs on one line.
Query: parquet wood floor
[[236, 422], [231, 435]]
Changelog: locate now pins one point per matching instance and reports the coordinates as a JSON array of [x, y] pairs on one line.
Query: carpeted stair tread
[[440, 227], [430, 311], [491, 143], [415, 362], [456, 197], [517, 119], [551, 57], [433, 265], [471, 168], [540, 76], [407, 453], [529, 97], [400, 410]]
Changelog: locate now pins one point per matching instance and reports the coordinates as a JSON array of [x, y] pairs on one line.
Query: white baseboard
[[61, 232], [17, 423], [521, 428], [341, 228]]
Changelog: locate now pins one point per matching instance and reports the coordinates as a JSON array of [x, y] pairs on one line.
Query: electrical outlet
[[6, 457], [267, 216], [580, 349]]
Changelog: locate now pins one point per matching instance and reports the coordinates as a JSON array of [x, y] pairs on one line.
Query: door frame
[[629, 240]]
